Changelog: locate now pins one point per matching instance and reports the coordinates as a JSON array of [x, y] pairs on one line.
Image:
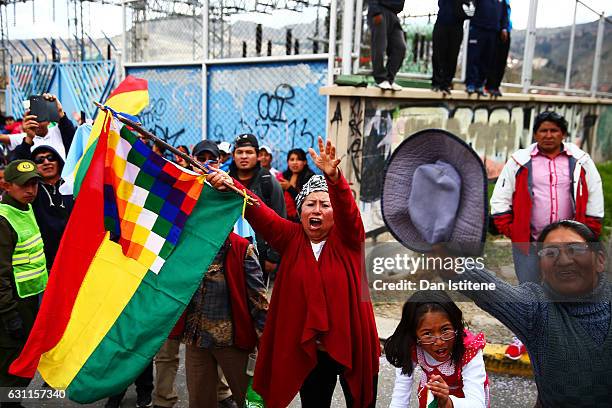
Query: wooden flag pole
[[148, 135]]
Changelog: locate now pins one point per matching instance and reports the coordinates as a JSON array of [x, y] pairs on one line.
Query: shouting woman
[[320, 324]]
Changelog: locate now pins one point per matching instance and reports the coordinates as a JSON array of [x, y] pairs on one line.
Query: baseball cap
[[206, 146], [266, 148], [20, 172], [225, 147], [246, 139]]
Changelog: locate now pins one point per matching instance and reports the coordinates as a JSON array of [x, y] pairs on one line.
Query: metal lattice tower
[[144, 11]]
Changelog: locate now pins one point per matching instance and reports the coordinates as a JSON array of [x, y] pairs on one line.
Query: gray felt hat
[[434, 191]]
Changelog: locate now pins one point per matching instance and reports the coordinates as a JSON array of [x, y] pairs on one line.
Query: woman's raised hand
[[217, 179], [326, 159]]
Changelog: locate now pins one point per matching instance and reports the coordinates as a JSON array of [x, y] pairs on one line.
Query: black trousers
[[387, 37], [318, 388], [481, 48], [446, 45], [7, 356], [498, 64], [144, 384]]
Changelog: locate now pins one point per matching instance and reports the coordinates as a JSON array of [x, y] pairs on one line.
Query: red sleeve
[[594, 224], [347, 218], [503, 223], [275, 230]]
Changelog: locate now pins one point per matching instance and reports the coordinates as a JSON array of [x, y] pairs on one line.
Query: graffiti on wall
[[278, 103], [174, 113], [494, 130]]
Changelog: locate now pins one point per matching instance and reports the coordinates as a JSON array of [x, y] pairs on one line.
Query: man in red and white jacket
[[546, 182]]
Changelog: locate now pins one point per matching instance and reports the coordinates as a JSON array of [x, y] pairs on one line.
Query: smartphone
[[45, 110]]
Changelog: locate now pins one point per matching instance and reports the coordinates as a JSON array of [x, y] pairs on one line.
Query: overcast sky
[[97, 18]]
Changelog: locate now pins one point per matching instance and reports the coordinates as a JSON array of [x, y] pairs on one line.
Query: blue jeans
[[526, 266]]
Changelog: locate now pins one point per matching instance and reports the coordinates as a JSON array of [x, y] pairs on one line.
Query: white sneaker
[[385, 86], [396, 87]]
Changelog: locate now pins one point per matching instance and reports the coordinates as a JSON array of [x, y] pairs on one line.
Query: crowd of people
[[225, 319], [307, 236], [488, 44]]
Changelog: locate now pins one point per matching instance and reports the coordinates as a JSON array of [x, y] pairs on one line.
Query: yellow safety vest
[[29, 263]]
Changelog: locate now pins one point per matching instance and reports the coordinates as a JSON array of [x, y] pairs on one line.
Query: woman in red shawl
[[320, 324]]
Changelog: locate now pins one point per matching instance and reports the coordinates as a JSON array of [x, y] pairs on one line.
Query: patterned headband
[[315, 183]]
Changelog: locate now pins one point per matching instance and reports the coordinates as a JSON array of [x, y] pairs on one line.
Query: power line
[[594, 11]]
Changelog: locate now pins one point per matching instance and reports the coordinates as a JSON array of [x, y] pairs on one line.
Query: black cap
[[206, 146], [246, 139]]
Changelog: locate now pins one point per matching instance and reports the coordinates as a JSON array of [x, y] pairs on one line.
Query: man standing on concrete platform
[[447, 37], [489, 22], [387, 37], [500, 59]]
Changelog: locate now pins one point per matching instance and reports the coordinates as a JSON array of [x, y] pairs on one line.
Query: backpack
[[266, 187]]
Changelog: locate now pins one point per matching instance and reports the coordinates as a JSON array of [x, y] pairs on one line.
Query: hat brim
[[199, 152], [24, 178], [424, 147]]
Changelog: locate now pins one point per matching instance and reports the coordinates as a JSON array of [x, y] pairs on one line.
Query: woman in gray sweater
[[564, 321]]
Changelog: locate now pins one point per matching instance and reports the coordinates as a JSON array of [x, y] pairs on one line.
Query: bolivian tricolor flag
[[141, 235]]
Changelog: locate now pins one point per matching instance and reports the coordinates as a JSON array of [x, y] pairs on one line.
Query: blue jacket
[[450, 12], [491, 15], [508, 11], [376, 6]]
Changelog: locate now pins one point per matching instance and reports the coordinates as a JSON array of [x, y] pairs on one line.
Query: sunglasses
[[202, 159], [51, 158]]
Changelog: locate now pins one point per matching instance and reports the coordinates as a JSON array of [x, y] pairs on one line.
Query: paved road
[[506, 392]]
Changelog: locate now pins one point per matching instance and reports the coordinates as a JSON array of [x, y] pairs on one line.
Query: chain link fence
[[174, 113], [282, 108]]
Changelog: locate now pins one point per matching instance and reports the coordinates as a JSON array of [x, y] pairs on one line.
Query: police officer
[[23, 270]]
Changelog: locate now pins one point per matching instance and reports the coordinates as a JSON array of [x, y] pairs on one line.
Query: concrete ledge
[[496, 362], [458, 95]]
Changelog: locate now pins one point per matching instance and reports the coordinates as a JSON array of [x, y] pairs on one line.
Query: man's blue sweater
[[490, 15]]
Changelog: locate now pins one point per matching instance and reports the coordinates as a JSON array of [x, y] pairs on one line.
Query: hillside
[[550, 58]]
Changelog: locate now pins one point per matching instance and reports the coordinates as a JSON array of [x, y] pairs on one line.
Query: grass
[[605, 170]]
